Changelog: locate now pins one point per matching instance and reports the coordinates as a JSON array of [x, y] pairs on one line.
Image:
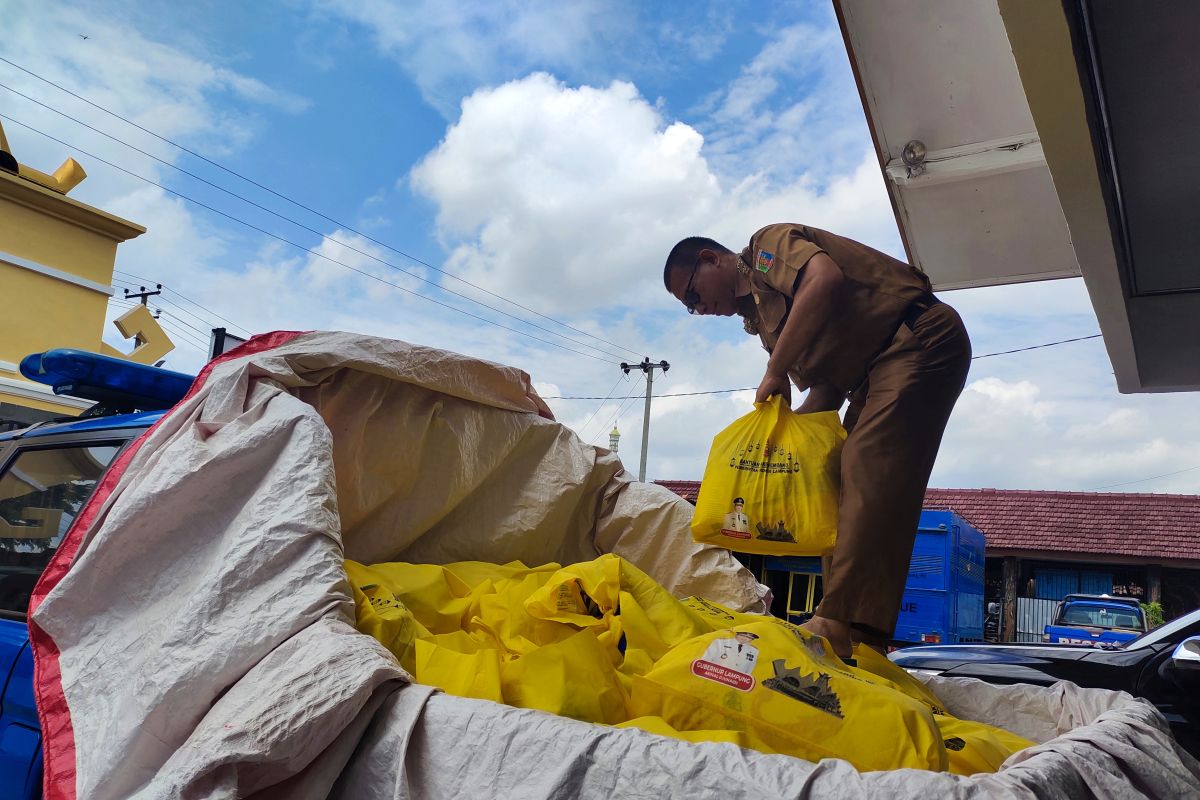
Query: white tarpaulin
[[194, 635]]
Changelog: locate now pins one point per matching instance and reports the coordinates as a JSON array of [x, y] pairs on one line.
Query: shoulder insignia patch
[[764, 261]]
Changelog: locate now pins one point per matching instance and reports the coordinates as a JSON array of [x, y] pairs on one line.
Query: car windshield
[[1100, 617], [40, 493], [1176, 629]]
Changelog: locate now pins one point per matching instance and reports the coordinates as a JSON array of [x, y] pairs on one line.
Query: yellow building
[[56, 266]]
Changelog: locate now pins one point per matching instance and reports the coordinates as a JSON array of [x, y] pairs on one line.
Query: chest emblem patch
[[764, 261]]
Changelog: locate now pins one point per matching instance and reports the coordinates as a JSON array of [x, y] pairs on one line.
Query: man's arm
[[821, 397], [812, 306]]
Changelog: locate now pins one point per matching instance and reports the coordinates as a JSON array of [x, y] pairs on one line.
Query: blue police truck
[[47, 472], [943, 596], [1090, 620]]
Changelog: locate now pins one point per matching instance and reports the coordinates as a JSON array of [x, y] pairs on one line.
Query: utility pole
[[647, 368], [143, 295]]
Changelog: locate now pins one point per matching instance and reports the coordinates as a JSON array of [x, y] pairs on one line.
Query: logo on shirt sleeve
[[764, 261]]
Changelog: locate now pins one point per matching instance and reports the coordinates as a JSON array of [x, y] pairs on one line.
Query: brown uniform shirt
[[877, 293]]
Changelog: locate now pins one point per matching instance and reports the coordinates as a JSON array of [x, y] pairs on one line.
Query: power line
[[188, 299], [1152, 477], [676, 394], [299, 246], [178, 335], [620, 409], [176, 325], [306, 208], [312, 230], [166, 313], [754, 388], [168, 308], [1036, 346], [586, 422]]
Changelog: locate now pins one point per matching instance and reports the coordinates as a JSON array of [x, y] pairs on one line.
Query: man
[[736, 523], [737, 653], [845, 321]]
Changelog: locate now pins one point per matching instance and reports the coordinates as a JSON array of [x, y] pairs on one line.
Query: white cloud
[[792, 111], [1006, 401], [571, 197], [186, 95], [452, 48], [180, 95], [1051, 418], [567, 198]]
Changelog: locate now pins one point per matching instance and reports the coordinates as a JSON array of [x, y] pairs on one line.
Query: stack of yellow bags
[[601, 642]]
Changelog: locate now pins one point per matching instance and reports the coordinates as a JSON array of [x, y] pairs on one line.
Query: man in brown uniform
[[846, 321]]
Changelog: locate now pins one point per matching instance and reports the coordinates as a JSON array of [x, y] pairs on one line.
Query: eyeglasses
[[690, 298]]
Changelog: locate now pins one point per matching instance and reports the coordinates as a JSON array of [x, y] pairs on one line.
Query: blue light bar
[[103, 379]]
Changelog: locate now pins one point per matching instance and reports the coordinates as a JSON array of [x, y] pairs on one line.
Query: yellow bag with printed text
[[783, 691], [600, 641], [771, 483]]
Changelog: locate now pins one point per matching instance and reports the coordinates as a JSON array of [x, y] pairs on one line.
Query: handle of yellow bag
[[775, 401]]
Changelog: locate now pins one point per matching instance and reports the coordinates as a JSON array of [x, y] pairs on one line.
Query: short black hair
[[686, 253]]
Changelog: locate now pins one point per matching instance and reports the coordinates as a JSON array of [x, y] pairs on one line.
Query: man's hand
[[772, 385]]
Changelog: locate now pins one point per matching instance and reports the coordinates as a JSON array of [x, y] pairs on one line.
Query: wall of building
[[57, 257]]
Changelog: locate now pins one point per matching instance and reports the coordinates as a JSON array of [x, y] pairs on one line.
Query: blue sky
[[549, 153]]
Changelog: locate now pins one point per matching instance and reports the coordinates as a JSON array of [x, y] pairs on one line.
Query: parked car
[[1163, 666], [47, 472], [1096, 621]]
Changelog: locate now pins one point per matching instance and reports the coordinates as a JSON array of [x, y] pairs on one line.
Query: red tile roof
[[688, 490], [1162, 527]]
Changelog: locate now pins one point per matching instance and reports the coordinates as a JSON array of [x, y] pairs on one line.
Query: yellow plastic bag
[[399, 603], [771, 483], [783, 692], [971, 746], [974, 747], [601, 642]]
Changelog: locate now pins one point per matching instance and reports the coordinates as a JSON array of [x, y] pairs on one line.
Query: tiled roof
[[688, 490], [1163, 527]]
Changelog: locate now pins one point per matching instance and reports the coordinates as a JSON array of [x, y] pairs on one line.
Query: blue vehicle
[[943, 596], [47, 472], [1096, 621]]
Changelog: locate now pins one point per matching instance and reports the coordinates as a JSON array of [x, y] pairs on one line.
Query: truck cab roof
[[1101, 600], [139, 419], [126, 394]]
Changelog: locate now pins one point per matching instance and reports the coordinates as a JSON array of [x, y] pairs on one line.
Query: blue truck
[[943, 595], [47, 472], [1088, 620]]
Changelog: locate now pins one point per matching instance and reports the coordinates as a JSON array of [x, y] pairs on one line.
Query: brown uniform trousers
[[895, 423]]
